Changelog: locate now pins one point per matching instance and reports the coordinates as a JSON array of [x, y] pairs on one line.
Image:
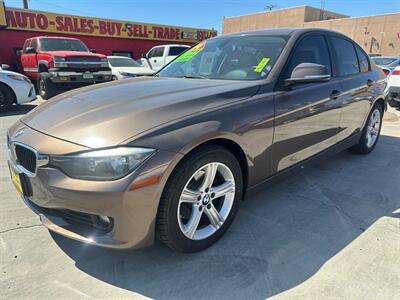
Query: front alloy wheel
[[200, 199], [206, 201]]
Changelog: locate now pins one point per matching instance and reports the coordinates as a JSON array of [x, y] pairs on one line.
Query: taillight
[[387, 72], [396, 72]]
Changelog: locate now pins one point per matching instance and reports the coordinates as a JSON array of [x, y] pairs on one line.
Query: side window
[[151, 53], [34, 44], [346, 56], [311, 49], [26, 45], [175, 51], [158, 52], [362, 60]]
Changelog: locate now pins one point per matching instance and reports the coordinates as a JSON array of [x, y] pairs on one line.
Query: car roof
[[118, 56], [280, 31], [54, 37]]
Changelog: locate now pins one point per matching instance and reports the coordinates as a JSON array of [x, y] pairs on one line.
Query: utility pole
[[322, 10], [26, 6]]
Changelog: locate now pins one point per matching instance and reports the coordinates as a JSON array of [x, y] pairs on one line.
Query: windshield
[[229, 58], [122, 62], [383, 61], [62, 45]]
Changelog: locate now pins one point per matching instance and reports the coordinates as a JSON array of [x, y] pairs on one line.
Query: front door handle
[[369, 82], [335, 94]]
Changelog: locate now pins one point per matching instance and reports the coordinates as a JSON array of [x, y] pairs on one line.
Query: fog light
[[104, 220]]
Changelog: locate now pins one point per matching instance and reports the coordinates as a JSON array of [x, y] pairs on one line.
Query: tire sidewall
[[364, 134], [176, 235], [6, 91]]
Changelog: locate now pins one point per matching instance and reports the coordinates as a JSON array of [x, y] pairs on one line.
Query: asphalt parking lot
[[329, 231]]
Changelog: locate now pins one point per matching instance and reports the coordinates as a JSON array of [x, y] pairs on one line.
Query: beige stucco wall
[[376, 34]]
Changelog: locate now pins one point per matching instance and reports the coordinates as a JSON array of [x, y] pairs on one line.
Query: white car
[[159, 56], [15, 88], [392, 91], [125, 67]]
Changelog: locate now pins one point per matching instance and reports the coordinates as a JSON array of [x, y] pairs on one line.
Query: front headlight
[[104, 62], [19, 77], [60, 62], [106, 164]]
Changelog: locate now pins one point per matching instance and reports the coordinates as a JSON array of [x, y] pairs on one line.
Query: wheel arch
[[43, 67], [230, 145], [5, 85]]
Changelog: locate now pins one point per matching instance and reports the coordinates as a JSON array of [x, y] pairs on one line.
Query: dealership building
[[377, 34], [110, 37]]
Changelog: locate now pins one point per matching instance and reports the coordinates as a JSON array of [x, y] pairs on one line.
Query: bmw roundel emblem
[[19, 132]]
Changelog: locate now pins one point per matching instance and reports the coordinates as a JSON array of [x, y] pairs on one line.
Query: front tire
[[200, 199], [7, 97], [371, 132], [46, 87]]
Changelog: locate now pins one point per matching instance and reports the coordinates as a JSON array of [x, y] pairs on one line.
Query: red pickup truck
[[59, 63]]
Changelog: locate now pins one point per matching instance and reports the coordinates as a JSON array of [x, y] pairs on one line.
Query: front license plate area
[[16, 180], [87, 76]]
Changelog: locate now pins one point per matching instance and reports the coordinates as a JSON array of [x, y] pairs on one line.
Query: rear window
[[175, 51], [122, 62]]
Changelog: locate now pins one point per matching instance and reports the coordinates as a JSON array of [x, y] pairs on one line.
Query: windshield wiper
[[195, 77]]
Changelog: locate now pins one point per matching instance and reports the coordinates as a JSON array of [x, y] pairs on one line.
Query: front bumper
[[52, 193], [63, 76]]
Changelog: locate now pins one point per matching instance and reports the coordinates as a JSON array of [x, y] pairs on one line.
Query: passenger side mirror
[[5, 67], [307, 73], [93, 50], [30, 50]]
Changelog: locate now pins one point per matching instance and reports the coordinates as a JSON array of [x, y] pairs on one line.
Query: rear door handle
[[369, 82], [335, 94]]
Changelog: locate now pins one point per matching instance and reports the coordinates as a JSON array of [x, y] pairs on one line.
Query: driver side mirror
[[93, 50], [307, 73], [30, 50], [5, 67]]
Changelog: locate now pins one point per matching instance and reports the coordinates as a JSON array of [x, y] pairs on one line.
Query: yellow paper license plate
[[16, 180]]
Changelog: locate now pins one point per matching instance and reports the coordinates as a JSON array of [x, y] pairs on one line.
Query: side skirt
[[313, 160]]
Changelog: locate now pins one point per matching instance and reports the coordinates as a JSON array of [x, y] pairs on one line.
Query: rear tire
[[46, 87], [371, 132], [7, 97], [394, 103], [189, 196]]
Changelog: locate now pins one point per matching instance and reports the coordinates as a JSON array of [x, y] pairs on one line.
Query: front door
[[307, 116]]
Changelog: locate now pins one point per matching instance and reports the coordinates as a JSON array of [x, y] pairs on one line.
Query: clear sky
[[197, 13]]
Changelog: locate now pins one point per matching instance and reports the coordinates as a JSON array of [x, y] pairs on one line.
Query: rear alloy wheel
[[6, 97], [371, 131], [200, 200]]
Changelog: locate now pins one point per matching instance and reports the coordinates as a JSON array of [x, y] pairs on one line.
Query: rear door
[[307, 116], [356, 79]]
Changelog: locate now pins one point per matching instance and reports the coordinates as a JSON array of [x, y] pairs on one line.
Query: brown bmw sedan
[[171, 155]]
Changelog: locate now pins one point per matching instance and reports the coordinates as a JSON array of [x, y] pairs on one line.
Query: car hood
[[134, 70], [108, 114], [74, 53]]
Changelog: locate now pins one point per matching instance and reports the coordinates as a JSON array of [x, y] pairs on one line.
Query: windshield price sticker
[[188, 55], [261, 65]]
